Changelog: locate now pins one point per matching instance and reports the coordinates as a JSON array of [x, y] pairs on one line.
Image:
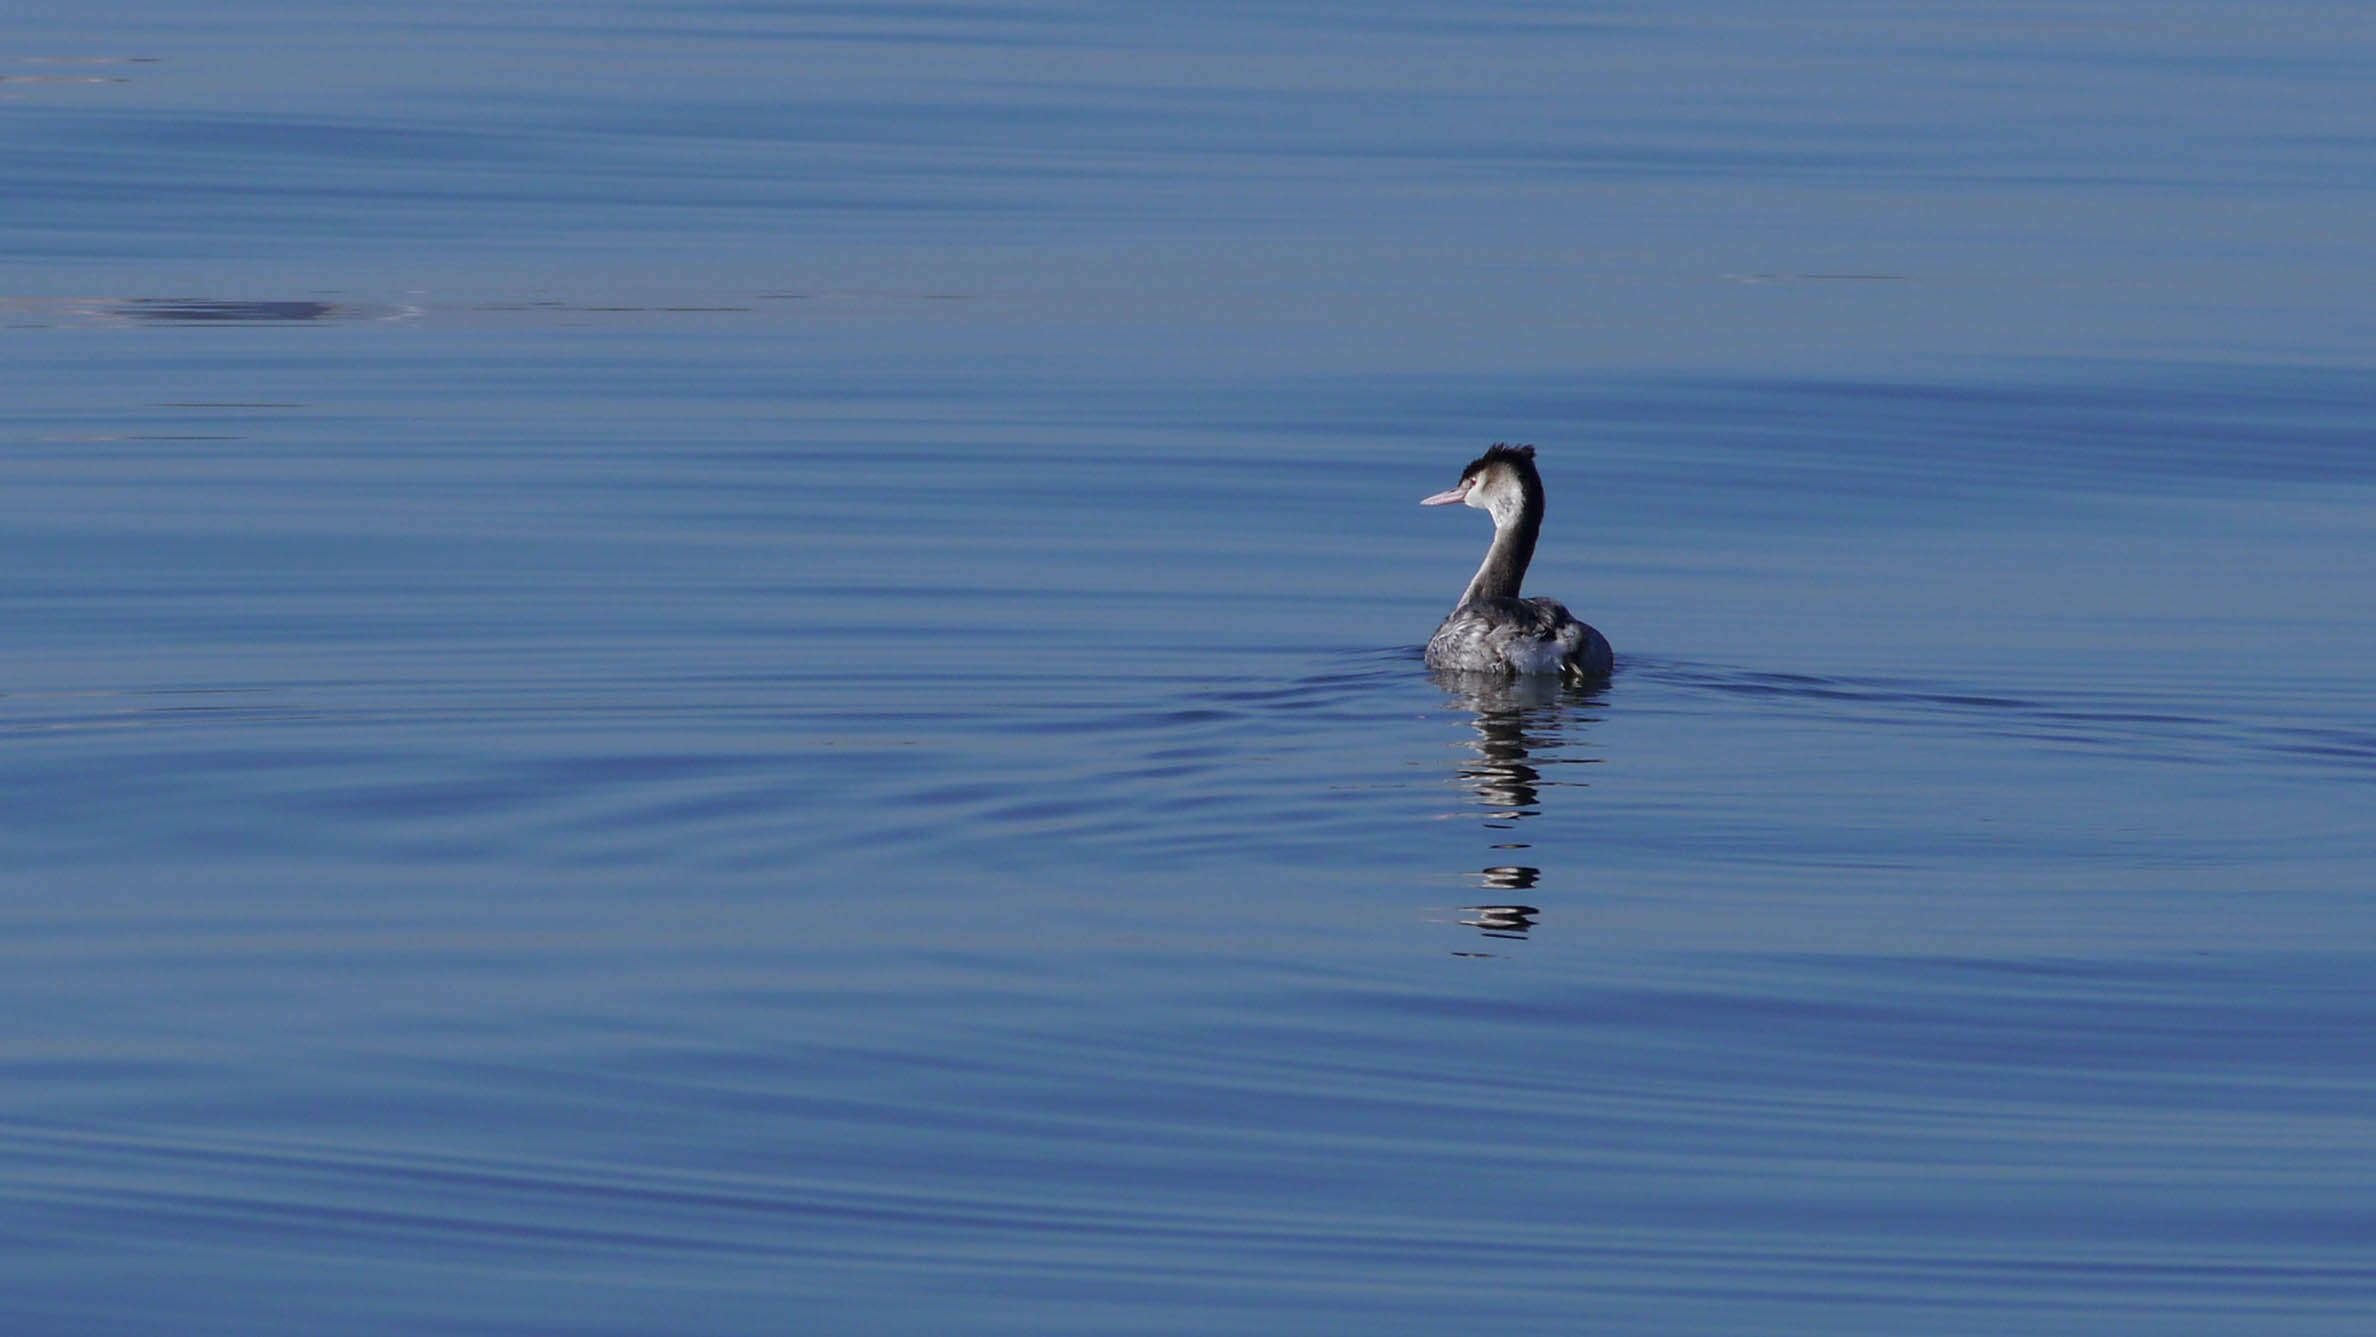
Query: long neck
[[1513, 547]]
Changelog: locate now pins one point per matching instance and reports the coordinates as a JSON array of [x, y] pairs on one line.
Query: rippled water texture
[[755, 668]]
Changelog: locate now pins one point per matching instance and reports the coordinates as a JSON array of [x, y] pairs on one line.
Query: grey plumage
[[1492, 629]]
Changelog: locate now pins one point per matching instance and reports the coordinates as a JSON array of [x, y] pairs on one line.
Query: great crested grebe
[[1491, 629]]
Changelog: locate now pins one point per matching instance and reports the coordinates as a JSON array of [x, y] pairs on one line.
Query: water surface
[[756, 668]]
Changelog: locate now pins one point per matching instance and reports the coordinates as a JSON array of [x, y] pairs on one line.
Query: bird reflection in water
[[1519, 723]]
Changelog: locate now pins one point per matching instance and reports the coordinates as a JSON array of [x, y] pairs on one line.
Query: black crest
[[1520, 458]]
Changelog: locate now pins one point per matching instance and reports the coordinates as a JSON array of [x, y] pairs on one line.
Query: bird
[[1492, 629]]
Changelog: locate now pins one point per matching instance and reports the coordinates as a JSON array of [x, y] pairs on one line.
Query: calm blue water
[[750, 668]]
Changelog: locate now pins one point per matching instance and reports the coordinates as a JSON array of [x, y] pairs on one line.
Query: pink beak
[[1447, 498]]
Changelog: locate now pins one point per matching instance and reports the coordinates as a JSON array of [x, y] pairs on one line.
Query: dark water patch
[[207, 311], [194, 310]]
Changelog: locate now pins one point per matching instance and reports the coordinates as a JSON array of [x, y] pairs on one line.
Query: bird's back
[[1500, 635]]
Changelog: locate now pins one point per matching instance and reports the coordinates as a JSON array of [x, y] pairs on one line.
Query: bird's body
[[1492, 629], [1516, 636]]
